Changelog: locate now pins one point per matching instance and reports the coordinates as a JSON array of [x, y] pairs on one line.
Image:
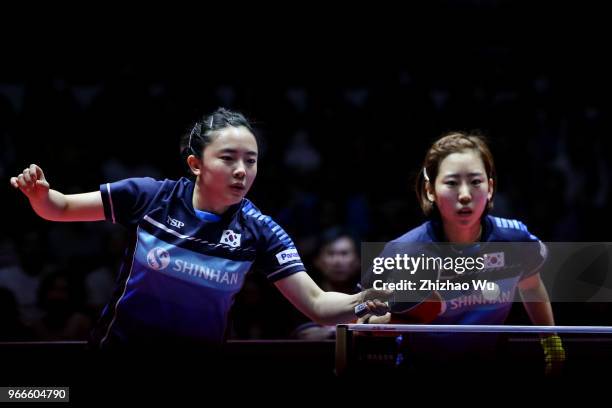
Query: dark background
[[344, 122]]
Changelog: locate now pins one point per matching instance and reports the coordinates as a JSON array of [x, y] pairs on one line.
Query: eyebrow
[[473, 174], [235, 151]]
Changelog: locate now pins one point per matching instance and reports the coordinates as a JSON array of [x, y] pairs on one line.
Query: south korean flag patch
[[494, 260], [230, 238]]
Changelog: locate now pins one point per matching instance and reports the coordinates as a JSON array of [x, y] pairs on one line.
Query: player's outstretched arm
[[329, 307], [53, 205]]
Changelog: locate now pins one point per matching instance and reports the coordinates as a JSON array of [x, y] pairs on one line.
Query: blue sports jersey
[[182, 270], [473, 307]]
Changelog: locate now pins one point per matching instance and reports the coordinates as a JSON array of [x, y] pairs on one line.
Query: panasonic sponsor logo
[[287, 255], [204, 272]]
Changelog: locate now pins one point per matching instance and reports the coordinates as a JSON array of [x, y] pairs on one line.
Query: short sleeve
[[126, 201], [277, 256], [536, 253]]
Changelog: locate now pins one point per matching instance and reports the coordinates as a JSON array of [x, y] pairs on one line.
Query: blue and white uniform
[[512, 267], [507, 266], [183, 267]]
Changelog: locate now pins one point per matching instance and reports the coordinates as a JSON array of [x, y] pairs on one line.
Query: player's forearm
[[52, 207], [328, 308], [335, 307], [538, 306]]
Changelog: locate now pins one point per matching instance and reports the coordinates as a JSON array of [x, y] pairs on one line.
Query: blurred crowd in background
[[341, 145]]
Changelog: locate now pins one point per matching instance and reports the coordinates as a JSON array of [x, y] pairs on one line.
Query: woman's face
[[461, 189], [229, 165], [338, 261]]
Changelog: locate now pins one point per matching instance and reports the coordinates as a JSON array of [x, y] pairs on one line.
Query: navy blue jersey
[[181, 271], [475, 307]]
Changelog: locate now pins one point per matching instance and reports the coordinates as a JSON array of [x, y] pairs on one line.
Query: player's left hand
[[554, 355]]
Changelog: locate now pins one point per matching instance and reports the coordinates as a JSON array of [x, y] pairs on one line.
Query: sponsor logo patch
[[287, 255]]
